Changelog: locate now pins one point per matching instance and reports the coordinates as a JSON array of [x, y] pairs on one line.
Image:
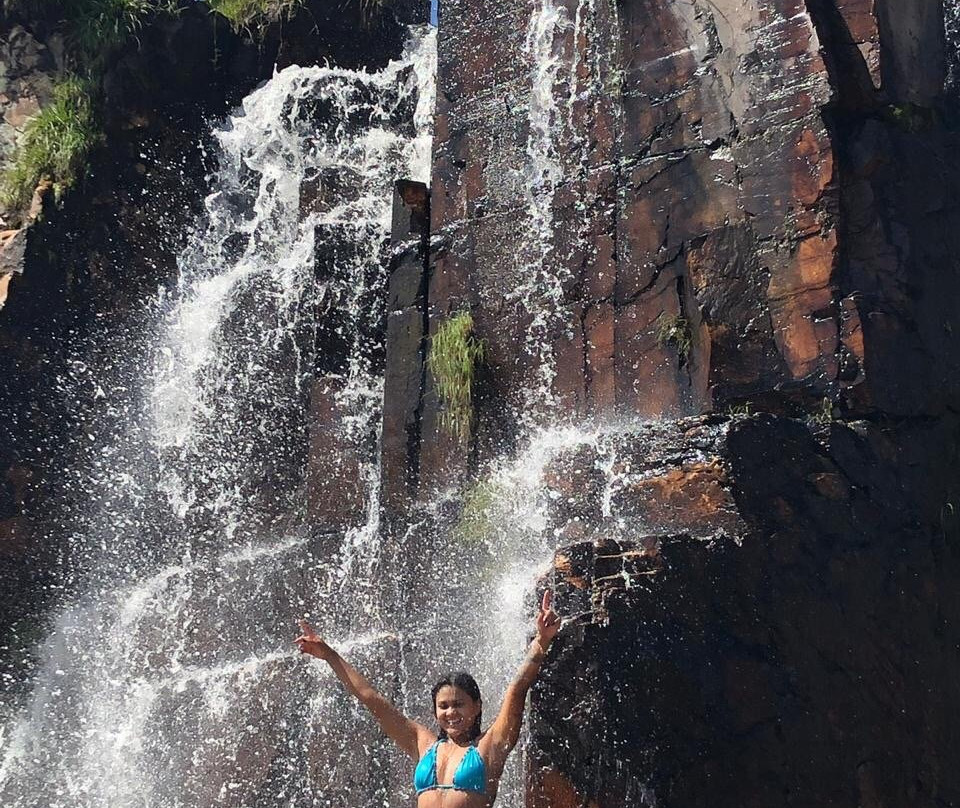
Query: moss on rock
[[454, 356]]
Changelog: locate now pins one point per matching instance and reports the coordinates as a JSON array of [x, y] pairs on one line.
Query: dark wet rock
[[405, 340], [814, 656], [754, 209]]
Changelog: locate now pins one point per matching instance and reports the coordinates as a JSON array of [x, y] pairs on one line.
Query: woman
[[459, 766]]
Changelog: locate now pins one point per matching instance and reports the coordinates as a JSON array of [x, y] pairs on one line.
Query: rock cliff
[[659, 210], [715, 188]]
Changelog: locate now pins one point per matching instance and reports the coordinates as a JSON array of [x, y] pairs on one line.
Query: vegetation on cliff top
[[95, 27], [54, 146], [454, 355], [248, 15], [55, 143]]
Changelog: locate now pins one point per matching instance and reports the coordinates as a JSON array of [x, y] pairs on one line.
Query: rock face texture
[[724, 234], [405, 344], [666, 209], [698, 198], [777, 630]]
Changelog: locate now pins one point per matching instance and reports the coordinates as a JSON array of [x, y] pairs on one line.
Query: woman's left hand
[[548, 621]]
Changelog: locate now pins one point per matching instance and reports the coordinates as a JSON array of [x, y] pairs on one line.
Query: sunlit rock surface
[[663, 209], [703, 202]]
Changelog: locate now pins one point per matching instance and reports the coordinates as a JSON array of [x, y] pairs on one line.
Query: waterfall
[[539, 290], [174, 683], [170, 680], [571, 73], [480, 575]]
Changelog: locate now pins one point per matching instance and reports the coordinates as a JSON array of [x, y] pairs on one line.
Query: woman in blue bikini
[[459, 766]]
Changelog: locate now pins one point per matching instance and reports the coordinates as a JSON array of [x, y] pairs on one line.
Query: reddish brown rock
[[598, 328], [694, 497], [547, 788], [713, 158], [711, 190], [658, 479], [4, 286], [754, 206], [13, 246], [860, 17]]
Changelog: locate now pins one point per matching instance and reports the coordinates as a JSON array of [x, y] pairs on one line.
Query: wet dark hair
[[469, 686]]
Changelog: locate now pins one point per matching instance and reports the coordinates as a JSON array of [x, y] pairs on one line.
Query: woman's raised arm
[[409, 735], [505, 730]]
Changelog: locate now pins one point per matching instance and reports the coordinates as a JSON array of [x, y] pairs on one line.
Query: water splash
[[951, 23], [481, 563], [177, 687], [306, 167]]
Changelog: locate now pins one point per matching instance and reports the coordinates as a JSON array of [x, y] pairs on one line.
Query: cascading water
[[951, 19], [570, 60], [540, 290], [480, 574], [174, 684]]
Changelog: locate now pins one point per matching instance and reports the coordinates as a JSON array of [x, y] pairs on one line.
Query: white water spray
[[540, 287], [179, 686]]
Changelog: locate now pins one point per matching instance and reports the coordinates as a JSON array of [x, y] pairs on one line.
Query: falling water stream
[[169, 680], [570, 59], [539, 290], [951, 19], [174, 683]]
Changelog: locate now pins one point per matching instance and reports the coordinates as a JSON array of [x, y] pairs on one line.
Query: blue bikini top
[[471, 773]]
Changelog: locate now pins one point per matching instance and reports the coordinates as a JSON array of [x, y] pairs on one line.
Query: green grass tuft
[[94, 28], [97, 25], [475, 525], [742, 410], [54, 146], [247, 15], [453, 359], [909, 117], [824, 414], [675, 330]]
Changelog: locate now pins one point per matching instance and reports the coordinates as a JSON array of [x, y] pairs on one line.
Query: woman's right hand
[[548, 622], [309, 643]]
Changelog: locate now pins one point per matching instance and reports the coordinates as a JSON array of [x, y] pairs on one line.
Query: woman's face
[[456, 711]]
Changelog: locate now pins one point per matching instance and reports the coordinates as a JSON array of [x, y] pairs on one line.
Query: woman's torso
[[449, 757]]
